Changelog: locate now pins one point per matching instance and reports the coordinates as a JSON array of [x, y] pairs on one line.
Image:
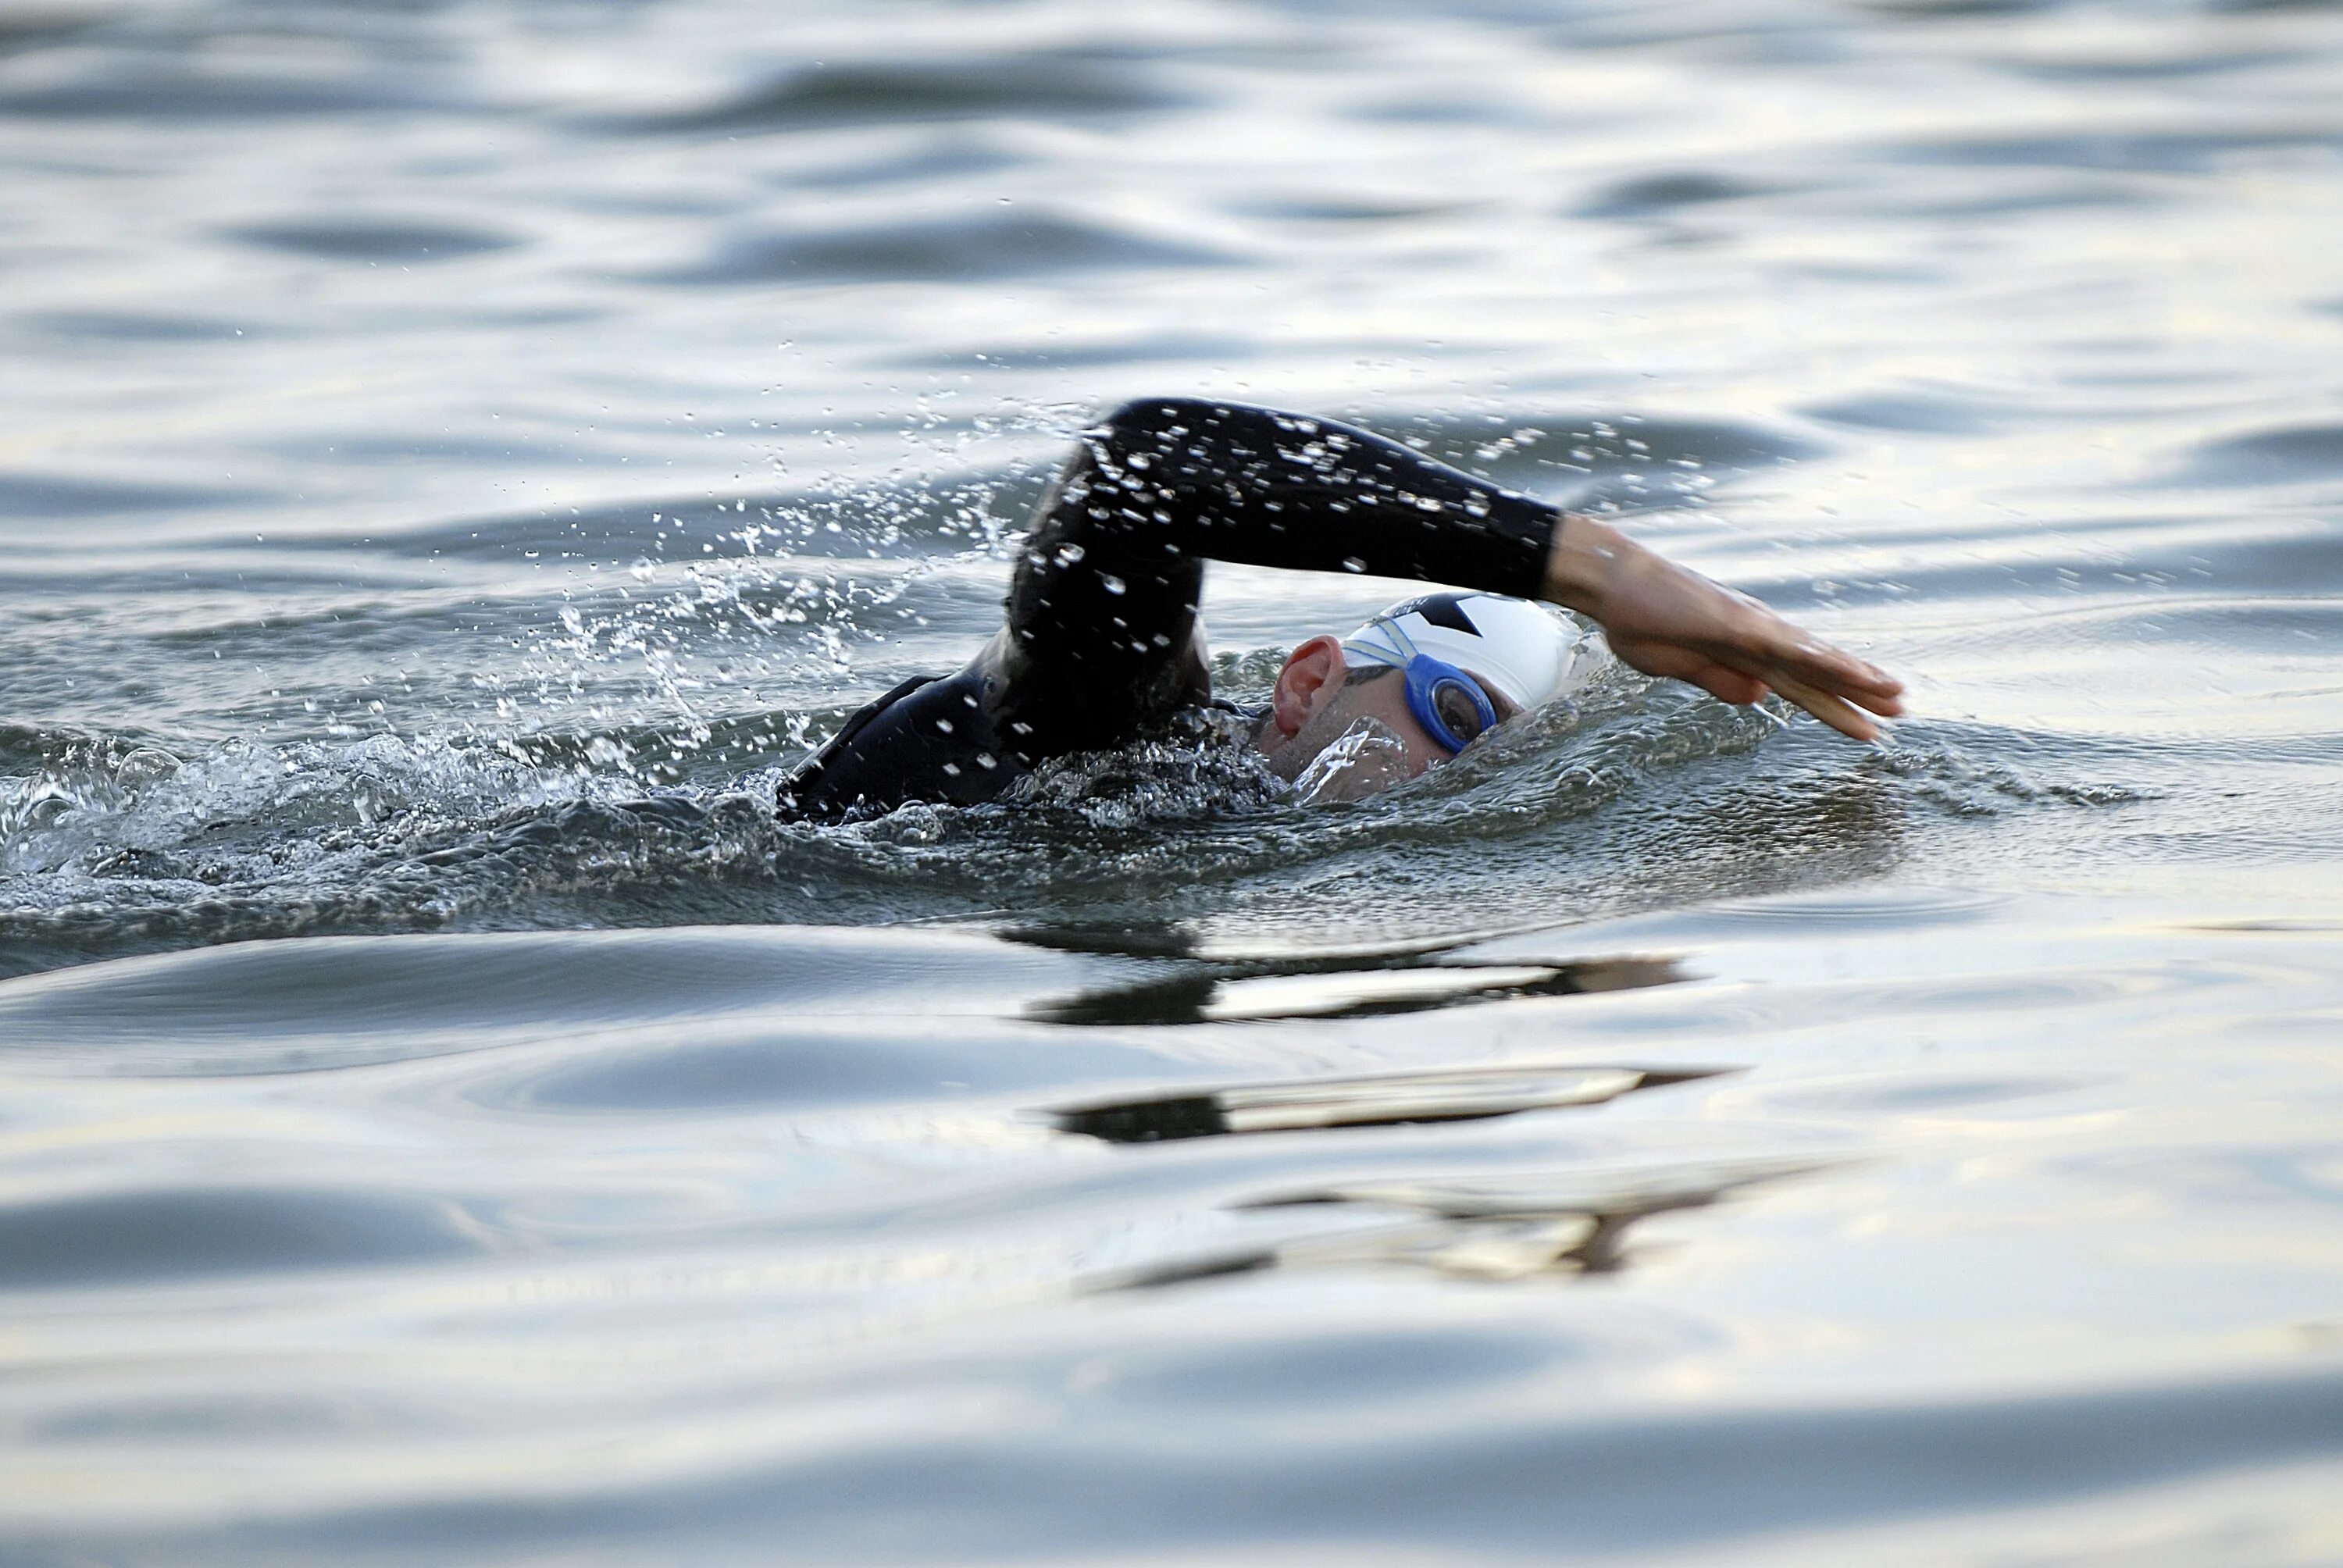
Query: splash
[[1365, 760]]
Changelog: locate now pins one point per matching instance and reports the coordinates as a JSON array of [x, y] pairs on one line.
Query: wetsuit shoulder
[[929, 739]]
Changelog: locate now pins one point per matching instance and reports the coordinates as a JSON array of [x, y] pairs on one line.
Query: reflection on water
[[454, 455], [1343, 986], [1525, 1228], [710, 1234], [1383, 1101]]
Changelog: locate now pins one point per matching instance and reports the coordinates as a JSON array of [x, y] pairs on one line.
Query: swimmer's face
[[1318, 701]]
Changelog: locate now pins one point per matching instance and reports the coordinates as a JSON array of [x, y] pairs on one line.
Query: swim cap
[[1519, 650]]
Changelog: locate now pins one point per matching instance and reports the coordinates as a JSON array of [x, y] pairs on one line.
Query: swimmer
[[1102, 645]]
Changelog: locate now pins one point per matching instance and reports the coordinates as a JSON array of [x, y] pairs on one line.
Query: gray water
[[453, 457]]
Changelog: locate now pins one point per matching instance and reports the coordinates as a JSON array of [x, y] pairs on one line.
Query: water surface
[[453, 457]]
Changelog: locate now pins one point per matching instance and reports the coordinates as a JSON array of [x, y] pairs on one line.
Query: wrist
[[1582, 562]]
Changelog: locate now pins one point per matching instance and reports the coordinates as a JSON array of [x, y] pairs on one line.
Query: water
[[453, 457]]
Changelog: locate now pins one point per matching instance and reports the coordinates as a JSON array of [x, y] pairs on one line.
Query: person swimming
[[1101, 644]]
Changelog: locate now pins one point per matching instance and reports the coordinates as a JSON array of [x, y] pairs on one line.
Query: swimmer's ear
[[1312, 675]]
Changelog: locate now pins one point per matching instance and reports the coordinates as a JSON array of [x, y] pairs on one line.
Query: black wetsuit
[[1101, 648]]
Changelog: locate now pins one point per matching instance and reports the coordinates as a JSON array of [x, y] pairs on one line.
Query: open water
[[454, 455]]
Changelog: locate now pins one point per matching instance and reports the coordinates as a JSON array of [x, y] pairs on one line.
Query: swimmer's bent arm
[[1101, 635], [1102, 608]]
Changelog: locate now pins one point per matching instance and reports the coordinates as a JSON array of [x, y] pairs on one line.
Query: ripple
[[1032, 87], [188, 1233], [36, 494], [1351, 1368], [37, 26], [1940, 412], [794, 1068], [1901, 1094], [937, 154], [2287, 456], [1881, 906], [187, 91], [138, 326], [384, 239], [261, 1006], [2144, 67], [1324, 206], [979, 246], [1664, 195], [2131, 152]]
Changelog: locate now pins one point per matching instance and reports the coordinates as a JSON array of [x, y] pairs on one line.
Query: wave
[[1038, 85], [975, 246], [129, 841]]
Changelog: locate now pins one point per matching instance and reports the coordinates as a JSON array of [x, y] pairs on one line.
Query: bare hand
[[1667, 621]]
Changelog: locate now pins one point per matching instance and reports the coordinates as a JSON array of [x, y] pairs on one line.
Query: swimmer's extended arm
[[1668, 620], [1102, 608]]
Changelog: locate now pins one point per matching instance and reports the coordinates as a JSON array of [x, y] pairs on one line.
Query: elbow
[[1150, 423]]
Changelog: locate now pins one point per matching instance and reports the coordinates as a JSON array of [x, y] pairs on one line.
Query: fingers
[[1835, 686], [1727, 684], [1730, 685], [1761, 643], [1827, 682], [1688, 629], [1834, 710], [1745, 680], [1827, 668]]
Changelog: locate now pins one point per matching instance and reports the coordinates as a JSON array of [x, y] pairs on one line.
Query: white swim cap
[[1522, 651]]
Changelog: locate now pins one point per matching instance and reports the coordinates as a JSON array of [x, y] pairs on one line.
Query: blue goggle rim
[[1425, 676]]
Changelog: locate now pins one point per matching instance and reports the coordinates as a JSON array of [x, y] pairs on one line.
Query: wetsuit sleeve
[[1101, 637]]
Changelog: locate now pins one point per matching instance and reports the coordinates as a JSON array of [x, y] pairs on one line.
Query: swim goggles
[[1450, 704]]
